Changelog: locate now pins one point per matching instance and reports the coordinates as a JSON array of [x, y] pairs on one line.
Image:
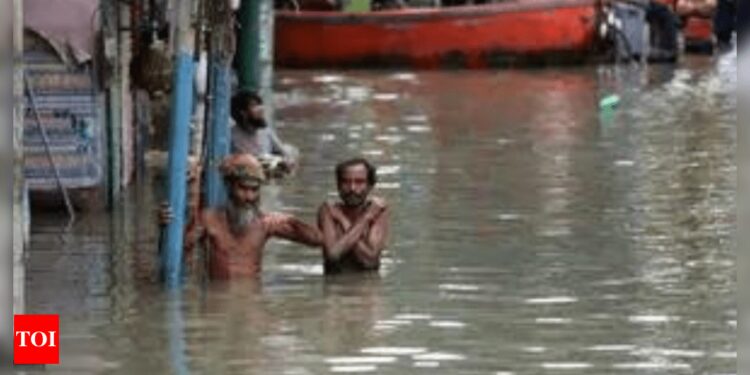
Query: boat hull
[[525, 32], [699, 35]]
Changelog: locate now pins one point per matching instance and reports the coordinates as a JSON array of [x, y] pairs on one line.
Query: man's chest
[[225, 242], [346, 219], [248, 141]]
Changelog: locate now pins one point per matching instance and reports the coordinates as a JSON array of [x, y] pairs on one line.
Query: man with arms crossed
[[354, 230]]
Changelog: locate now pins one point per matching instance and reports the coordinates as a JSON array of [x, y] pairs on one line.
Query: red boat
[[698, 23], [699, 34], [515, 32]]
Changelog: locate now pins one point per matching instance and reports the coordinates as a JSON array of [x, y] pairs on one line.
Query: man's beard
[[252, 124], [240, 216], [354, 199]]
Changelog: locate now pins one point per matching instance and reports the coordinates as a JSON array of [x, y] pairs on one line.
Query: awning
[[69, 25]]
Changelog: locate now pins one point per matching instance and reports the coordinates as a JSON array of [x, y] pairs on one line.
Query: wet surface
[[532, 234]]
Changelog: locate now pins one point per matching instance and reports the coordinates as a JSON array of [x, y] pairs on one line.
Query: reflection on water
[[531, 234]]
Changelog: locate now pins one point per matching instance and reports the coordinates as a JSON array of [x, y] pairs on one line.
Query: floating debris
[[328, 79], [393, 350], [385, 97], [609, 101]]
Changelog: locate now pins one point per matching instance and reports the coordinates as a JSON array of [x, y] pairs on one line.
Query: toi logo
[[36, 339]]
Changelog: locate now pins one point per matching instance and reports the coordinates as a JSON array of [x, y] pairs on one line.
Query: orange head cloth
[[242, 167]]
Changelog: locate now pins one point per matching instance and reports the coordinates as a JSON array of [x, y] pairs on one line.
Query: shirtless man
[[355, 230], [234, 236]]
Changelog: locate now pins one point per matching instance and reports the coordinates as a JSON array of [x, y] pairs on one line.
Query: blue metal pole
[[222, 52], [176, 331], [218, 132], [179, 145]]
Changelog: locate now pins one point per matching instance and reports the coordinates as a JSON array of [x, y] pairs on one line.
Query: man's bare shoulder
[[328, 205], [212, 217], [379, 201], [383, 211]]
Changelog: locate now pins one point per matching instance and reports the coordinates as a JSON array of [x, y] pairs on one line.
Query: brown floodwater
[[532, 233]]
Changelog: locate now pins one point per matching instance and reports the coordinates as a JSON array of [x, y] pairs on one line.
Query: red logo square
[[36, 339]]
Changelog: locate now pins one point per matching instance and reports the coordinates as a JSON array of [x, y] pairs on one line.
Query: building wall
[[67, 101]]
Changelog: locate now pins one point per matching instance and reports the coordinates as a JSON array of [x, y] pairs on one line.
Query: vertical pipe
[[176, 330], [199, 118], [114, 101], [124, 56], [19, 185], [255, 51], [266, 59], [113, 146], [201, 81], [179, 144], [218, 133], [222, 52], [248, 71]]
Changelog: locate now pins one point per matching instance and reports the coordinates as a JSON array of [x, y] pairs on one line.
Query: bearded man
[[235, 235], [354, 229]]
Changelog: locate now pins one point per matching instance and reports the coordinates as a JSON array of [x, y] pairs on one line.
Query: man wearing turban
[[234, 235]]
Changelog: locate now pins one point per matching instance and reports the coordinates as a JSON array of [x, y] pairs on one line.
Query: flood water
[[532, 233]]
